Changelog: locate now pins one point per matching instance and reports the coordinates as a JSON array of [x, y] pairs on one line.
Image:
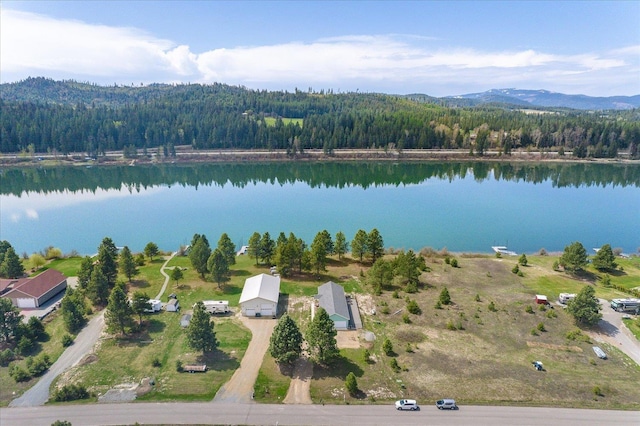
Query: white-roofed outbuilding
[[260, 296]]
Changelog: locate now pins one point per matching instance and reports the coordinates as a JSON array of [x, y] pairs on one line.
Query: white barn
[[260, 296]]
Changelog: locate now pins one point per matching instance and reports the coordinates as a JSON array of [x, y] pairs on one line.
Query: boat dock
[[504, 250]]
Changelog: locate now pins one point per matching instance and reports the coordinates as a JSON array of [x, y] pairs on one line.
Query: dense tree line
[[219, 116]]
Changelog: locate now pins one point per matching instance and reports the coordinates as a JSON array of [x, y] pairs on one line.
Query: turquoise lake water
[[465, 207]]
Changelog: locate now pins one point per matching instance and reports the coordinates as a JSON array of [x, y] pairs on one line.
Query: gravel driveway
[[240, 387], [83, 344], [611, 330]]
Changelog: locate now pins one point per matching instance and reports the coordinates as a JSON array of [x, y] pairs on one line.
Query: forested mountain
[[44, 115], [545, 98]]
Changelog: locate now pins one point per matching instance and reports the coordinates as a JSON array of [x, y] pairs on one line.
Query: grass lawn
[[271, 121], [272, 383]]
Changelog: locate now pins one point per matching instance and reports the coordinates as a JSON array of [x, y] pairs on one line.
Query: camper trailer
[[172, 306], [626, 305], [216, 306], [565, 297], [156, 306]]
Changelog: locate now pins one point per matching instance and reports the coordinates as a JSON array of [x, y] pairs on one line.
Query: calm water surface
[[461, 206]]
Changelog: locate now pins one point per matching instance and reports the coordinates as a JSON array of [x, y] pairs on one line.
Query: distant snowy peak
[[546, 98]]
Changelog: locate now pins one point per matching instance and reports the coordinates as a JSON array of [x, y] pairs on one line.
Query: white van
[[407, 404], [446, 404]]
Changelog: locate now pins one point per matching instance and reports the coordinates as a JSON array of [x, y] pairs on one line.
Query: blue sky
[[438, 48]]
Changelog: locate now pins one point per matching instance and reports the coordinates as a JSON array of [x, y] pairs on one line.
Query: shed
[[332, 299], [185, 320], [35, 291], [260, 296], [172, 305]]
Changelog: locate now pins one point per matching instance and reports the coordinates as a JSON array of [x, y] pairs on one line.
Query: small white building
[[156, 305], [260, 296]]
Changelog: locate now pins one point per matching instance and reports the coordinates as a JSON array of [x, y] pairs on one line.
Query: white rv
[[156, 306], [565, 297], [216, 306]]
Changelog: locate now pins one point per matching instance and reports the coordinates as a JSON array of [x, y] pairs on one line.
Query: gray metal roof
[[332, 299]]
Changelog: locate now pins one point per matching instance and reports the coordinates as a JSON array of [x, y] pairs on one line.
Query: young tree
[[200, 333], [35, 329], [127, 264], [445, 297], [118, 316], [321, 337], [177, 274], [585, 308], [219, 268], [285, 344], [37, 261], [341, 245], [574, 257], [140, 304], [11, 266], [73, 309], [10, 320], [359, 245], [199, 254], [523, 260], [108, 261], [375, 244], [84, 274], [98, 289], [150, 250], [605, 260], [319, 253], [351, 384], [228, 249], [387, 347], [254, 247], [380, 275], [408, 266]]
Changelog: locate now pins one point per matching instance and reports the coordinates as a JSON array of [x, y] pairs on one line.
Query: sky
[[438, 48]]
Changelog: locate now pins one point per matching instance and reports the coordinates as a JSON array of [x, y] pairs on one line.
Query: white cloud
[[38, 45], [32, 214]]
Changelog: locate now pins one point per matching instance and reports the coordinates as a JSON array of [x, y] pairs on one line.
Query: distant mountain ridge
[[544, 98]]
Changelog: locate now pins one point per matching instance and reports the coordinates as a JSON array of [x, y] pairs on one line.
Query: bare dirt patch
[[555, 347], [366, 304], [348, 339]]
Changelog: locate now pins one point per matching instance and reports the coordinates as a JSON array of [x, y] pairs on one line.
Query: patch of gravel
[[122, 393]]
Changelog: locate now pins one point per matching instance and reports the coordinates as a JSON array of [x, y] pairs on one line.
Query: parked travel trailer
[[626, 305], [156, 306], [172, 306], [565, 297], [216, 306]]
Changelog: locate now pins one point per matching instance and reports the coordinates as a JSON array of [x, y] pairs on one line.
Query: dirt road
[[299, 389], [611, 330], [240, 387]]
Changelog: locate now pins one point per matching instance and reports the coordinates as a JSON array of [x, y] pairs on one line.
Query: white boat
[[599, 352]]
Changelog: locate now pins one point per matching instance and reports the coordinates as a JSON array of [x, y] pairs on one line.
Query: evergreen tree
[[585, 307], [98, 289], [151, 250], [605, 260], [108, 261], [321, 337], [177, 274], [228, 249], [523, 260], [118, 315], [285, 344], [351, 384], [84, 274], [267, 248], [127, 264], [375, 244], [11, 266], [200, 333], [380, 275], [73, 309], [140, 304], [219, 268], [574, 257], [319, 253], [254, 247], [199, 254], [445, 297], [10, 320], [341, 244], [359, 245]]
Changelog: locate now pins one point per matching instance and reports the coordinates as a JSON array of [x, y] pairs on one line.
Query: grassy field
[[465, 350], [271, 121]]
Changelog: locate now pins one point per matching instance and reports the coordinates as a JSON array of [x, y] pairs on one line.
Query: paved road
[[262, 414], [240, 387], [614, 332], [84, 342]]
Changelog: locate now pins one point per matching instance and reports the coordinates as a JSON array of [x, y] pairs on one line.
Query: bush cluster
[[70, 393]]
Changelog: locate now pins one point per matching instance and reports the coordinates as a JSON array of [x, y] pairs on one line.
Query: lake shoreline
[[186, 155]]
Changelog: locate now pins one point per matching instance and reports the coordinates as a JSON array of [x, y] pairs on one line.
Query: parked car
[[407, 404], [446, 404]]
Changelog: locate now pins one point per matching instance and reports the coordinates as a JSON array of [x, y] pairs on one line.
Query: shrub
[[523, 260], [498, 255], [447, 260], [597, 391], [529, 309], [411, 287], [385, 310], [18, 373], [515, 269], [6, 357], [542, 308], [542, 252], [366, 355], [179, 368], [156, 362], [556, 265], [70, 393], [534, 332], [38, 365], [478, 298], [445, 297], [394, 365], [552, 314], [61, 423], [67, 340], [492, 307], [409, 348], [406, 319], [451, 326], [438, 305], [520, 274], [387, 347], [541, 327], [395, 295], [413, 308], [578, 336], [454, 262], [25, 345]]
